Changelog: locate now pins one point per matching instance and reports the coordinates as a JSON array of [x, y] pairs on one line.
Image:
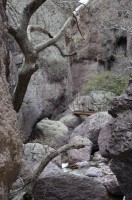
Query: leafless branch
[[27, 189], [32, 28], [28, 11], [55, 39]]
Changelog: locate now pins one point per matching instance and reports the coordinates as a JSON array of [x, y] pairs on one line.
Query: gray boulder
[[112, 186], [80, 155], [71, 121], [69, 187], [116, 137], [52, 133], [115, 141], [94, 172], [91, 126]]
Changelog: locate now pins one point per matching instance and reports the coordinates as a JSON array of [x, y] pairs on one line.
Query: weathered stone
[[52, 133], [94, 172], [10, 144], [69, 187], [104, 47], [122, 167], [115, 140], [112, 186], [97, 157], [91, 126], [71, 121], [80, 155], [116, 137], [34, 153]]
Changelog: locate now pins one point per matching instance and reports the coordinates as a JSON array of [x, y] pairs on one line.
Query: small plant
[[107, 81]]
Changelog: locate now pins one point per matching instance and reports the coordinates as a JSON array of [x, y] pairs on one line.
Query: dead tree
[[21, 34], [26, 191]]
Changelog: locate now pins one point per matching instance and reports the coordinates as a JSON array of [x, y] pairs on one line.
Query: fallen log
[[86, 113]]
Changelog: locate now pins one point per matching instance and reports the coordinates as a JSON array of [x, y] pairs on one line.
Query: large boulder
[[115, 140], [52, 133], [71, 121], [91, 126], [69, 187], [112, 186], [80, 155]]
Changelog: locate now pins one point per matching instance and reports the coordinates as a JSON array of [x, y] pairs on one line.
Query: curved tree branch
[[28, 11], [33, 28], [56, 38], [28, 187]]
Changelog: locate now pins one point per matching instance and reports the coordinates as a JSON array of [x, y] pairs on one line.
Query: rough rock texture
[[115, 140], [106, 46], [10, 144], [49, 87], [112, 186], [116, 137], [52, 133], [32, 156], [34, 152], [71, 121], [99, 169], [69, 187], [94, 172], [91, 126], [80, 155], [94, 101]]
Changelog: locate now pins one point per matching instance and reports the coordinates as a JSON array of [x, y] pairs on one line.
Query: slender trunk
[[22, 84]]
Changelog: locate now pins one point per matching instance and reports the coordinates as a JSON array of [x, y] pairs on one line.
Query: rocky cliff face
[[107, 43], [10, 145]]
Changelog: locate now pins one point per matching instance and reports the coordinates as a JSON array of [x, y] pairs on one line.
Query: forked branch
[[33, 28]]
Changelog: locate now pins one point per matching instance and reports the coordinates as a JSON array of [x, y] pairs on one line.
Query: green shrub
[[108, 82]]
